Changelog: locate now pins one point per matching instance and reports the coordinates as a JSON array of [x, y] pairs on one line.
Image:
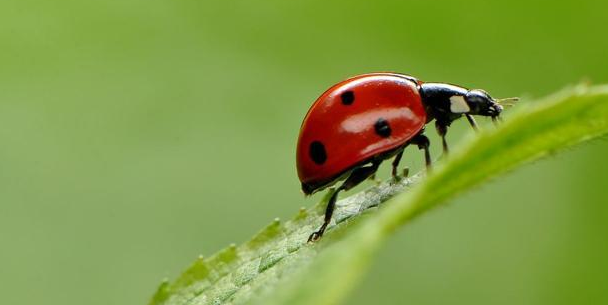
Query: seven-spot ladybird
[[359, 122]]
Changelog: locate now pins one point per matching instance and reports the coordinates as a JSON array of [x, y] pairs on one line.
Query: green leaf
[[277, 266]]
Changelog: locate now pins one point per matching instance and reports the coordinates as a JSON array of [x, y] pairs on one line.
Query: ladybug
[[360, 122]]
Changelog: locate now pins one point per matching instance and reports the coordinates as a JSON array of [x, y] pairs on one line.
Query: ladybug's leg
[[329, 211], [357, 176], [395, 164], [442, 130], [471, 121], [406, 172], [373, 178], [423, 143]]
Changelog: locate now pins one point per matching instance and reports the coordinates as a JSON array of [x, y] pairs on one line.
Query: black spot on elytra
[[317, 152], [348, 97], [382, 128]]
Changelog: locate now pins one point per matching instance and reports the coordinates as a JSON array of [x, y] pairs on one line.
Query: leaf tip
[[269, 232], [162, 292]]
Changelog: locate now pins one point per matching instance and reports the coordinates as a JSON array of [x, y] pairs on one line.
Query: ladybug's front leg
[[472, 121]]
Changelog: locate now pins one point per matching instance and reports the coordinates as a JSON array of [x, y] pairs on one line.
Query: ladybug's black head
[[481, 103]]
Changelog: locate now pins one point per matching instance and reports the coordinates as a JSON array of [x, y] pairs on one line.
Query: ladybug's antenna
[[507, 102]]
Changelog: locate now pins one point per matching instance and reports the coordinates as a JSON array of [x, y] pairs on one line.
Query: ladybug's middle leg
[[357, 176], [442, 130], [423, 143]]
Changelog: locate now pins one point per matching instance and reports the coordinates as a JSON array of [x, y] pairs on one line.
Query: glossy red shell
[[347, 130]]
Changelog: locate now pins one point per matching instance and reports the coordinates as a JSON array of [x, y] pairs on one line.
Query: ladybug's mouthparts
[[493, 110], [496, 119]]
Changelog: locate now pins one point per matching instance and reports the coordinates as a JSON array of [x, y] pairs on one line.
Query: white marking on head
[[458, 104]]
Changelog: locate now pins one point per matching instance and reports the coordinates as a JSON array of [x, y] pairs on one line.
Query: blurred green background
[[136, 135]]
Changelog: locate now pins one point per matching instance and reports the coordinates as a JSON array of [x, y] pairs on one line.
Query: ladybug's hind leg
[[357, 176]]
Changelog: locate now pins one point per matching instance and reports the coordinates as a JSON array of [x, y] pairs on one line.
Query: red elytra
[[359, 122], [346, 131]]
